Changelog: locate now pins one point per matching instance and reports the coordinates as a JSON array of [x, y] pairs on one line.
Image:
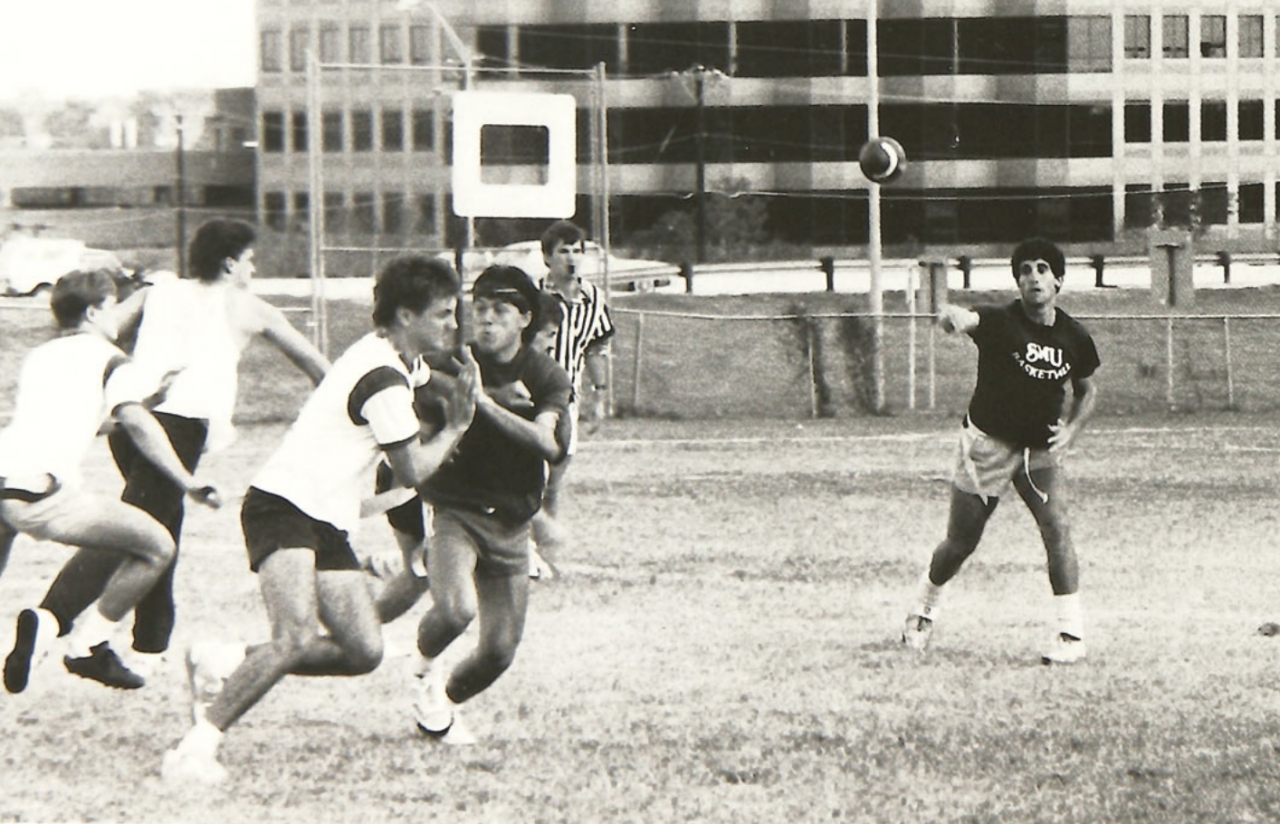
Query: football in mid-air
[[882, 159]]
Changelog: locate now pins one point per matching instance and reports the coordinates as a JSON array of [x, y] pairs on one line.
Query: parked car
[[31, 264], [625, 274]]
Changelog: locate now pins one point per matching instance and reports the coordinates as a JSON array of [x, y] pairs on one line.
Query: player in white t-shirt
[[304, 505], [192, 331], [68, 388]]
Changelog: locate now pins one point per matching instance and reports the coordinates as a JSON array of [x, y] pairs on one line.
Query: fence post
[[1099, 263], [1226, 337], [636, 364], [686, 272], [933, 373], [911, 338], [1168, 357], [828, 266], [1224, 260], [966, 269]]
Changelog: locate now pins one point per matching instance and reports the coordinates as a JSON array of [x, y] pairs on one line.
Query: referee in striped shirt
[[581, 346]]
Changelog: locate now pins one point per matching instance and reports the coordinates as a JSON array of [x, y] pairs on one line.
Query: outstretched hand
[[1061, 434], [206, 494], [952, 318], [459, 402]]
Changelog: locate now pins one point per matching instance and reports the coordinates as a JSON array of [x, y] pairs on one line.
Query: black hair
[[1038, 248], [562, 231], [550, 310], [74, 293], [215, 241], [413, 282]]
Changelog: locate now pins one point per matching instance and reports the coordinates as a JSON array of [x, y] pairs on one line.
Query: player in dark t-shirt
[[483, 500], [1019, 425]]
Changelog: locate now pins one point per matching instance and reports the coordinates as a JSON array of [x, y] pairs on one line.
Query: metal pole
[[933, 372], [180, 201], [602, 164], [700, 184], [1168, 356], [875, 298], [911, 338], [1226, 336], [637, 364], [315, 124]]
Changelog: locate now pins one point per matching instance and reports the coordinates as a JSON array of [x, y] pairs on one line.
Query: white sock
[[928, 597], [204, 738], [89, 630], [427, 667], [1070, 618]]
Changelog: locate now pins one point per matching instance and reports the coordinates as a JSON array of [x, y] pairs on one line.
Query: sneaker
[[455, 733], [431, 710], [916, 632], [1064, 649], [28, 649], [104, 666], [181, 765], [209, 664]]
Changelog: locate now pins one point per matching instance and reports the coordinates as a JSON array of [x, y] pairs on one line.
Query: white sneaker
[[916, 632], [431, 710], [454, 734], [1064, 649], [149, 665], [209, 663], [182, 765]]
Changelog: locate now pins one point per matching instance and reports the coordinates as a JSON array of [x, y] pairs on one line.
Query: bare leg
[[965, 525], [503, 605], [450, 566], [1051, 518]]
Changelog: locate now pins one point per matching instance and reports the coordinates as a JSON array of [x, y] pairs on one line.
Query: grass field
[[723, 645]]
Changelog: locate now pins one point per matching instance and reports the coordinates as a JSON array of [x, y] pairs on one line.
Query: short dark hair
[[215, 241], [1042, 249], [74, 293], [412, 282], [562, 231], [550, 310]]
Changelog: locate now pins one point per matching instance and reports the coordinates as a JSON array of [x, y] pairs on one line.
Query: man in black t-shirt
[[1015, 433], [483, 500]]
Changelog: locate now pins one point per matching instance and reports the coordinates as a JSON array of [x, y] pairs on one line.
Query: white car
[[625, 274], [30, 264]]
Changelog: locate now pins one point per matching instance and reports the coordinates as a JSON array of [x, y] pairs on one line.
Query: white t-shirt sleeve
[[390, 415], [126, 382]]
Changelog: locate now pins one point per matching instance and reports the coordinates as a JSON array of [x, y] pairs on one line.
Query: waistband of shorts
[[29, 496]]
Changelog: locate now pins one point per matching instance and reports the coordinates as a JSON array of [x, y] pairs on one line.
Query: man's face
[[241, 270], [565, 259], [498, 324], [544, 339], [433, 333], [1036, 282], [103, 318]]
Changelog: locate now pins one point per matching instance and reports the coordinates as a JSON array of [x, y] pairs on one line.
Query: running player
[[1016, 432], [68, 388], [305, 504], [195, 331], [483, 500]]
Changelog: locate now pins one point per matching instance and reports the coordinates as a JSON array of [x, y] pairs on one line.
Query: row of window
[[358, 42], [1250, 121], [392, 132], [363, 213], [807, 48]]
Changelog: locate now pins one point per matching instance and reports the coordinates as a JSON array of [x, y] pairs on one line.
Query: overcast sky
[[90, 48]]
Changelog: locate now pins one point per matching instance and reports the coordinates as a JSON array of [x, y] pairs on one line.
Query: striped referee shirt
[[586, 323]]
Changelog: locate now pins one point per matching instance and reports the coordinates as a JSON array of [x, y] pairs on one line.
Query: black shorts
[[407, 517], [271, 523], [148, 488]]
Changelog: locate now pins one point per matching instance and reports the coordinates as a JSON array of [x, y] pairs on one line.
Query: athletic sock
[[92, 629], [203, 739], [928, 597], [1069, 615]]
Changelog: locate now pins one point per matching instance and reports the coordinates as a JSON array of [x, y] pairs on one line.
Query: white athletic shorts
[[986, 466], [67, 506]]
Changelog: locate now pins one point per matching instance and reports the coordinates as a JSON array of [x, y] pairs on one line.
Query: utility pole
[[180, 203], [700, 175]]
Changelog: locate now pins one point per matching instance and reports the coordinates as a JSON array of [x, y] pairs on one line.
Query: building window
[[392, 130], [273, 204], [1175, 27], [419, 45], [301, 209], [362, 130], [491, 43], [393, 212], [331, 133], [1089, 44], [1251, 202], [390, 45], [358, 44], [800, 48], [1250, 117], [269, 50], [330, 44], [364, 212], [1213, 121], [423, 130], [654, 48], [1137, 206], [299, 42], [335, 212], [425, 219], [273, 131], [1177, 122], [1213, 35], [1212, 203], [299, 132], [1137, 121], [1137, 36], [1250, 35]]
